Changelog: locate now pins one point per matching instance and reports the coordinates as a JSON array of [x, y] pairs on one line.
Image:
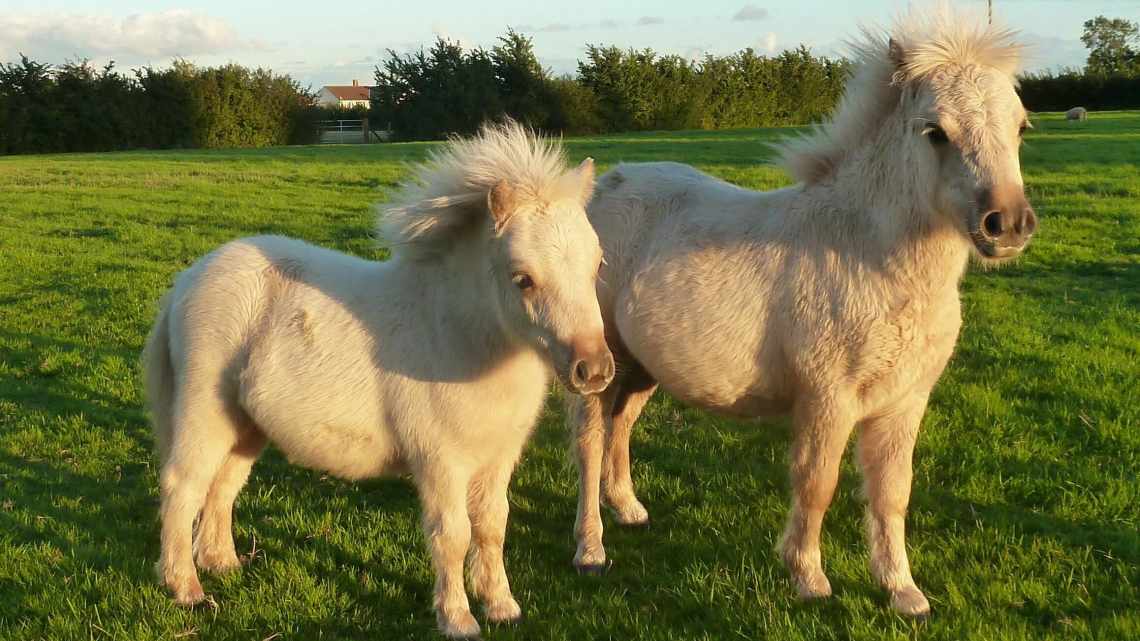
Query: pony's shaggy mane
[[449, 191], [919, 45]]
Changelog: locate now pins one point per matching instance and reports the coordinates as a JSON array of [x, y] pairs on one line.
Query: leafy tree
[[427, 95], [623, 83], [523, 85], [28, 109], [575, 108], [1111, 44], [77, 107]]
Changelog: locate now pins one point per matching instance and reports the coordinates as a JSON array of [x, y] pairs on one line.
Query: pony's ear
[[501, 203], [585, 178]]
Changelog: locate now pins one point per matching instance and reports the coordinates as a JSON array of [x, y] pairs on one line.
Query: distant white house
[[354, 95]]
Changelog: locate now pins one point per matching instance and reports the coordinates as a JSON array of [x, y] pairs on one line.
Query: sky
[[322, 43]]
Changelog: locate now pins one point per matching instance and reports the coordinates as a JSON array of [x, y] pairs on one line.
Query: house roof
[[349, 92]]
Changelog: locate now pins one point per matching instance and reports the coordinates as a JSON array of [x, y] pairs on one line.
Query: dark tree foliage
[[642, 90], [27, 110], [1067, 89], [77, 107], [432, 94], [574, 108], [523, 86]]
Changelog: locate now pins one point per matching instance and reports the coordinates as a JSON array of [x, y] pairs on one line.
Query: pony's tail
[[158, 376]]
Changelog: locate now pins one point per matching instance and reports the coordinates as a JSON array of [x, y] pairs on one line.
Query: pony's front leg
[[822, 427], [447, 529], [588, 418], [488, 507], [886, 446]]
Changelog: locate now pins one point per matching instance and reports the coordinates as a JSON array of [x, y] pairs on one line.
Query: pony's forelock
[[927, 39], [449, 190], [938, 37]]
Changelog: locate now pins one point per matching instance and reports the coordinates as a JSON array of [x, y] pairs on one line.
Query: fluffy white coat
[[434, 363], [835, 301]]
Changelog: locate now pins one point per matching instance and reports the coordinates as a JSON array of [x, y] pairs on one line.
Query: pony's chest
[[497, 413], [902, 351]]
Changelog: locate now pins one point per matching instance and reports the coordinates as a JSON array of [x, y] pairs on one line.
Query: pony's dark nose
[[1007, 221], [592, 372], [1010, 227]]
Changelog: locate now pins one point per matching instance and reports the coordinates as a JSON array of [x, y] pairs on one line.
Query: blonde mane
[[448, 193], [921, 43]]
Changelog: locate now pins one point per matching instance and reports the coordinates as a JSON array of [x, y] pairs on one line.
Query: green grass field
[[1023, 523]]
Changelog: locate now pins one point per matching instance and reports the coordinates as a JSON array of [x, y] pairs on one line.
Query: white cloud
[[750, 13], [54, 37], [649, 20]]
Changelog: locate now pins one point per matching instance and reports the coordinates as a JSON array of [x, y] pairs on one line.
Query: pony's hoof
[[190, 595], [220, 563], [591, 569], [632, 514], [910, 602], [813, 587], [590, 561], [505, 612], [459, 626]]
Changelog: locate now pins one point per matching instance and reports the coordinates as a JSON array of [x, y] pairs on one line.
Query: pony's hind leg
[[488, 509], [214, 540], [617, 482], [202, 436], [821, 431], [886, 446]]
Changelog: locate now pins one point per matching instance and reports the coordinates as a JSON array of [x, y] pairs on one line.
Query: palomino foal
[[835, 301], [433, 363]]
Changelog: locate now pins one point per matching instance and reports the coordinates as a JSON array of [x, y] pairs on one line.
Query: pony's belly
[[726, 398], [331, 443], [320, 405], [729, 372]]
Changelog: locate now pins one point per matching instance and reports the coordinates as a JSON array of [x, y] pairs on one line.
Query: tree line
[[78, 107], [447, 90], [1110, 79]]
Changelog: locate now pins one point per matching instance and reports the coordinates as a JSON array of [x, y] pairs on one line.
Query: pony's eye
[[1022, 129], [936, 134], [523, 281]]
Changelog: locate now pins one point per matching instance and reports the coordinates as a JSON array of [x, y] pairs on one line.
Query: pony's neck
[[886, 216], [461, 304]]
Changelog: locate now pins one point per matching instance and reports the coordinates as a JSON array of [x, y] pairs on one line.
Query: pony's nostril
[[992, 224], [581, 372], [1030, 222]]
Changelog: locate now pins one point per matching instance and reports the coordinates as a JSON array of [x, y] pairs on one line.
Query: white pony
[[834, 301], [433, 363]]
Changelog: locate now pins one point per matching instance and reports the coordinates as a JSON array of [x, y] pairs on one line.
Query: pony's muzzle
[[591, 370], [1005, 229]]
